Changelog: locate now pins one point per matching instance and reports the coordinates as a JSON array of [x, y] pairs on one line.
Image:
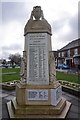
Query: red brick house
[[70, 54]]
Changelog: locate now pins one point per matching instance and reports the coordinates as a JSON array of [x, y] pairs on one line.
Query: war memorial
[[38, 94]]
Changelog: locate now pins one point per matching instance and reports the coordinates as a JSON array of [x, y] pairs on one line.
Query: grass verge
[[68, 77], [16, 76], [10, 74]]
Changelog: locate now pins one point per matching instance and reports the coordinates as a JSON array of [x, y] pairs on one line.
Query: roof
[[73, 44]]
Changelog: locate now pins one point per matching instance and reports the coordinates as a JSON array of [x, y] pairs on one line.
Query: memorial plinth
[[38, 95]]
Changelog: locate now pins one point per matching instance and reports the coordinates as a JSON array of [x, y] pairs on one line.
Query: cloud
[[12, 39], [13, 11], [13, 33], [62, 16], [12, 49], [65, 31]]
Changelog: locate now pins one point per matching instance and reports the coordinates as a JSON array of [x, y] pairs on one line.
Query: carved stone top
[[37, 22], [37, 13]]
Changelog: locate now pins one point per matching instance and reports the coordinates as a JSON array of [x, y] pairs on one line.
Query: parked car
[[5, 66], [62, 66]]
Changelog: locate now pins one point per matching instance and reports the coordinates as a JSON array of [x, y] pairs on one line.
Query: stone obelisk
[[38, 95]]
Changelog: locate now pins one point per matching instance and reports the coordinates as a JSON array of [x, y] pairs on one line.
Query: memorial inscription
[[56, 95], [37, 94], [38, 59]]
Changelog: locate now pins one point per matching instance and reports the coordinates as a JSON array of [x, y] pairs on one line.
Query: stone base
[[38, 94], [38, 111]]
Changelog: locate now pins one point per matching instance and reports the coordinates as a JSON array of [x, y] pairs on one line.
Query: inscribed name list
[[37, 59]]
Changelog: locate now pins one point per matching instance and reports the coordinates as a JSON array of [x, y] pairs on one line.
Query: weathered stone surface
[[38, 93], [36, 109]]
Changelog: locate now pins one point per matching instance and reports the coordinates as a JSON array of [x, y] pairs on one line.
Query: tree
[[4, 61], [15, 59]]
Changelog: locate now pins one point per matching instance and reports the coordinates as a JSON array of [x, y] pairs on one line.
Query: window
[[75, 51], [76, 61], [62, 54], [59, 54], [68, 53]]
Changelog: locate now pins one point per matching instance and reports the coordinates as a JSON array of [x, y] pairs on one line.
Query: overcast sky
[[61, 14]]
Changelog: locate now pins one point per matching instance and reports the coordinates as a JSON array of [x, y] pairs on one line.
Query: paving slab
[[74, 109], [4, 109], [67, 97], [72, 115], [75, 102]]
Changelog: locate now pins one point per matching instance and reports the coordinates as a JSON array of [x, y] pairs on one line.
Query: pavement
[[6, 96]]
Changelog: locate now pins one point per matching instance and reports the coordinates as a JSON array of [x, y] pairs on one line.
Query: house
[[70, 54]]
